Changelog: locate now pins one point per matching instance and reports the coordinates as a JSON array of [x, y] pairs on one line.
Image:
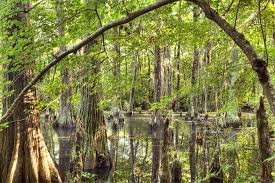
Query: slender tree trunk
[[23, 154], [132, 153], [166, 173], [264, 143], [207, 59], [157, 120], [116, 69], [134, 78], [232, 165], [193, 110], [65, 118], [167, 72], [113, 151], [178, 77], [232, 113]]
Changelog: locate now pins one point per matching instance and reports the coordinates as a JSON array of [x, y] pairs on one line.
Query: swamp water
[[130, 148]]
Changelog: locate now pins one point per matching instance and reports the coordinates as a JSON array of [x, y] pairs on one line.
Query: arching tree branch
[[76, 47], [258, 64]]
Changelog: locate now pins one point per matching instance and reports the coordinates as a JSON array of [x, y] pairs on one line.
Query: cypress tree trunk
[[134, 78], [166, 173], [92, 118], [178, 78], [157, 120], [232, 163], [132, 153], [23, 154], [167, 72], [264, 143], [194, 113], [232, 113], [65, 118]]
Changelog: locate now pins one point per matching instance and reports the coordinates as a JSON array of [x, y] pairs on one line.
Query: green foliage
[[4, 126]]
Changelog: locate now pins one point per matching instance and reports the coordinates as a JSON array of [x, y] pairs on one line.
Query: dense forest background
[[137, 91]]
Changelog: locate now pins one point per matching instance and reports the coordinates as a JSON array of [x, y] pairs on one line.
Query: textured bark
[[65, 118], [264, 143], [207, 59], [23, 154], [167, 72], [77, 162], [258, 64], [157, 120], [65, 152], [91, 116]]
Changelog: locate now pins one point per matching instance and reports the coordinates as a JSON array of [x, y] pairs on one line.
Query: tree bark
[[65, 118], [166, 173], [23, 154], [132, 153], [193, 110], [167, 72], [91, 115], [134, 78], [232, 113], [157, 120], [264, 143]]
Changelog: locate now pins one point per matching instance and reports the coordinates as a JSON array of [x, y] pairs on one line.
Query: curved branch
[[258, 65], [76, 47]]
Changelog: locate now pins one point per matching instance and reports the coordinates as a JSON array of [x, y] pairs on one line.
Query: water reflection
[[130, 147]]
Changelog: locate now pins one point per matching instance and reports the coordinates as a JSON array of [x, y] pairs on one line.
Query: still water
[[130, 147]]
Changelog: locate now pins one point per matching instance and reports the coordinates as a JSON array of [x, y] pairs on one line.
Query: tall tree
[[193, 108], [157, 119], [264, 143], [134, 78], [65, 118], [91, 114], [23, 154]]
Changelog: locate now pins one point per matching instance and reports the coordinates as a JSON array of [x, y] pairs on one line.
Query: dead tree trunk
[[23, 154], [264, 143]]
